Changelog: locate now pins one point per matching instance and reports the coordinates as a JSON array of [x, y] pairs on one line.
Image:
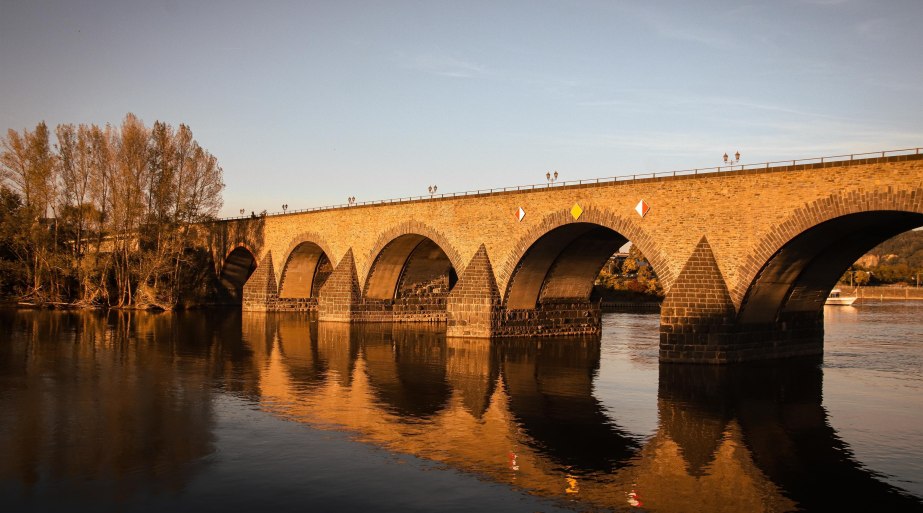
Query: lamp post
[[284, 207], [351, 200], [242, 211], [551, 178], [729, 162], [432, 190]]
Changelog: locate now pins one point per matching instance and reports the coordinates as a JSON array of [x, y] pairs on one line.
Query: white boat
[[836, 298]]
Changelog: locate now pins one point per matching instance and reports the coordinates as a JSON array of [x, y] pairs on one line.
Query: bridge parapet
[[745, 257]]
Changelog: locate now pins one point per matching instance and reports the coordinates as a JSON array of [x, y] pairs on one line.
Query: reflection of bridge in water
[[750, 438], [742, 438]]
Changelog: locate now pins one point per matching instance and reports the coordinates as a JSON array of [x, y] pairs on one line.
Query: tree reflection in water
[[102, 398], [127, 398]]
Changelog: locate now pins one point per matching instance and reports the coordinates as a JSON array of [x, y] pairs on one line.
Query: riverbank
[[630, 306], [886, 293]]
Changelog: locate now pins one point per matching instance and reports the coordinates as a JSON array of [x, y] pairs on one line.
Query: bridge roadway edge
[[812, 191]]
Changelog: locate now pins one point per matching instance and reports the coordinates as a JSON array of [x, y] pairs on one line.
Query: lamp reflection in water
[[492, 407], [520, 412]]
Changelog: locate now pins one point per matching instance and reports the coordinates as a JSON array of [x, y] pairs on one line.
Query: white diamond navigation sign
[[520, 214], [642, 208]]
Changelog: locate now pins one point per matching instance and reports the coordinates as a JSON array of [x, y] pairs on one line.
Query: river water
[[224, 411]]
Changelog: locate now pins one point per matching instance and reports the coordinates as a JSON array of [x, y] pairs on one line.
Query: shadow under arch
[[561, 265], [792, 285], [239, 264], [306, 267], [411, 228], [411, 276], [561, 257], [811, 215]]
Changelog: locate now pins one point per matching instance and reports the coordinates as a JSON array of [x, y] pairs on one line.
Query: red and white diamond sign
[[642, 208], [520, 214]]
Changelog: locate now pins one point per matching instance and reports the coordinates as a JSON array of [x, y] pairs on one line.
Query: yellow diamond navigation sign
[[576, 211]]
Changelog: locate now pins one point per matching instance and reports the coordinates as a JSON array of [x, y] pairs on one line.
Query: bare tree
[[105, 217], [28, 166], [128, 203]]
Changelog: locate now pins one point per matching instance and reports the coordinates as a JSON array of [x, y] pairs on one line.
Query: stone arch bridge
[[746, 257]]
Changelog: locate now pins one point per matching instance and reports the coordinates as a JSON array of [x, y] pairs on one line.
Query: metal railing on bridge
[[611, 179]]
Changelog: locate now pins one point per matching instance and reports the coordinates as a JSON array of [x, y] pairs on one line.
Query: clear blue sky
[[307, 103]]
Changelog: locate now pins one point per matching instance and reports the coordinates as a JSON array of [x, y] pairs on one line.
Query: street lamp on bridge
[[284, 208], [552, 178], [730, 162], [351, 200], [432, 190]]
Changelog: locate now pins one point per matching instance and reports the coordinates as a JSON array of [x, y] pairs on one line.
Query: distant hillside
[[896, 260], [906, 248]]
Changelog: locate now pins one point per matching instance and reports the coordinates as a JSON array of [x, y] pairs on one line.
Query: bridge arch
[[409, 244], [410, 228], [800, 260], [239, 264], [410, 274], [561, 257], [306, 266], [410, 264]]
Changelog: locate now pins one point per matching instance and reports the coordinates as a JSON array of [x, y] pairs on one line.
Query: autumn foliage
[[102, 216], [633, 280]]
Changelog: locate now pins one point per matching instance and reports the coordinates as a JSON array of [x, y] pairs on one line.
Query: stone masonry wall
[[743, 217], [340, 294], [422, 289], [260, 291], [738, 211], [473, 306], [697, 314], [551, 319], [698, 322], [882, 293]]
